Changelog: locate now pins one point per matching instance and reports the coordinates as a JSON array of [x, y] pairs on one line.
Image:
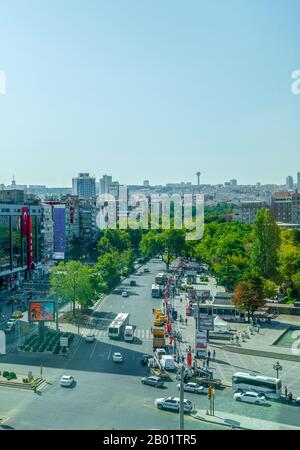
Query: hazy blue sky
[[154, 89]]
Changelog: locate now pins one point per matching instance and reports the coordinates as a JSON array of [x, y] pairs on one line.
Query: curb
[[202, 419]]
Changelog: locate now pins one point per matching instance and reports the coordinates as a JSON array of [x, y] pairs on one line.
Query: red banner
[[30, 249], [189, 359]]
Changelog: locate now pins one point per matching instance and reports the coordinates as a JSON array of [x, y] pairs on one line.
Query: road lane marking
[[109, 353], [93, 350]]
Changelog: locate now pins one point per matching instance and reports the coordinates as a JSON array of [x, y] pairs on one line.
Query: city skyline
[[193, 181], [144, 90]]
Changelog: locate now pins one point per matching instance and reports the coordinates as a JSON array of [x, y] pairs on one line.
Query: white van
[[129, 333], [167, 362]]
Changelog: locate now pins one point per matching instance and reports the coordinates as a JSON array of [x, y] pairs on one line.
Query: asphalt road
[[107, 395]]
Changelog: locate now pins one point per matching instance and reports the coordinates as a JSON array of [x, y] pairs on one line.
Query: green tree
[[264, 256], [111, 240], [270, 289], [289, 260], [107, 271], [152, 244], [174, 243], [296, 281], [127, 261], [72, 281]]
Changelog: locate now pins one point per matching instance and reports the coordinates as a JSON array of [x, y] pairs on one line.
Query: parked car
[[250, 397], [67, 380], [124, 294], [12, 321], [173, 403], [193, 387], [117, 357], [10, 325], [89, 337], [146, 269], [132, 283], [153, 381]]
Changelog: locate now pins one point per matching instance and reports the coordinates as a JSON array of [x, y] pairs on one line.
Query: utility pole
[[56, 308], [181, 405]]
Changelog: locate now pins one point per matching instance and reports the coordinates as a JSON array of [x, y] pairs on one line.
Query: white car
[[250, 397], [11, 322], [67, 380], [124, 294], [90, 337], [173, 403], [117, 357], [193, 387]]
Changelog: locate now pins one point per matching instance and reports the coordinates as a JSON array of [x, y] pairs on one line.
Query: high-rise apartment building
[[105, 182], [84, 186], [298, 181], [290, 183]]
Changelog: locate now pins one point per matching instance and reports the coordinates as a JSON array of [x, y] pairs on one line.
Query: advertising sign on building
[[41, 311], [201, 344], [59, 232], [30, 245], [24, 222]]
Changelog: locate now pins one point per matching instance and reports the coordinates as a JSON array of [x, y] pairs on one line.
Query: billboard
[[201, 344], [206, 323], [41, 311], [59, 232]]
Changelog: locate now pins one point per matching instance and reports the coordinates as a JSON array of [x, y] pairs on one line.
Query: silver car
[[173, 403], [153, 381], [193, 387]]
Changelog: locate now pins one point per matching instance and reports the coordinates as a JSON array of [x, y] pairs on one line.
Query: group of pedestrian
[[288, 396], [210, 356]]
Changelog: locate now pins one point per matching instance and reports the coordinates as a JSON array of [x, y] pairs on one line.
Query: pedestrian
[[290, 398], [186, 320], [208, 354], [214, 355], [203, 365], [285, 392], [207, 363]]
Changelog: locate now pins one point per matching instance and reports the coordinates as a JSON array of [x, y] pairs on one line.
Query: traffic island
[[11, 379], [235, 421]]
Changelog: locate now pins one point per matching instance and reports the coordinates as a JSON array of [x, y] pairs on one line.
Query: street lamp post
[[278, 368], [181, 404]]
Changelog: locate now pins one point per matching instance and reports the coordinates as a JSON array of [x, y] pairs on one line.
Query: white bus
[[161, 278], [129, 333], [271, 387], [117, 327], [156, 291]]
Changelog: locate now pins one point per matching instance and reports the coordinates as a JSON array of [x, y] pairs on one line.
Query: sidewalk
[[241, 422]]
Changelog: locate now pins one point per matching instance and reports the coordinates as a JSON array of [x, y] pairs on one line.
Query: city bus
[[161, 278], [117, 327], [270, 387], [156, 291]]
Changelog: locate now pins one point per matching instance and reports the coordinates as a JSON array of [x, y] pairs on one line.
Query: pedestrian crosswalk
[[142, 334]]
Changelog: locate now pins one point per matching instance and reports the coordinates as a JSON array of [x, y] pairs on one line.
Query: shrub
[[5, 374], [25, 380], [13, 376]]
